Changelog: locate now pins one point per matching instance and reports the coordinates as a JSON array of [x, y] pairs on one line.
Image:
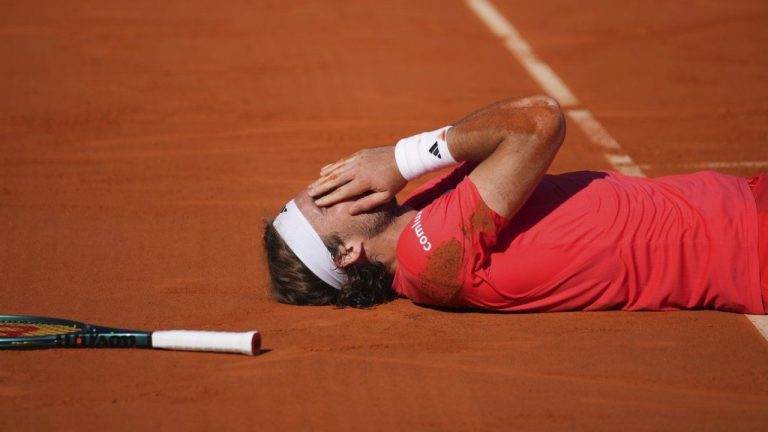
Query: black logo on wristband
[[435, 151]]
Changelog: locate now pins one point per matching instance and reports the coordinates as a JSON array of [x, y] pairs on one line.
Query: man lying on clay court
[[497, 234]]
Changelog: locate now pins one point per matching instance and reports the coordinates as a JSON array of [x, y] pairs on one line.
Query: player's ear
[[350, 252]]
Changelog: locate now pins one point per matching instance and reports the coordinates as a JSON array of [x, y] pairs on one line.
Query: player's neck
[[383, 247]]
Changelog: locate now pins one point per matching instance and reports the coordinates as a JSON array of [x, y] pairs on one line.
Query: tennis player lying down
[[496, 233]]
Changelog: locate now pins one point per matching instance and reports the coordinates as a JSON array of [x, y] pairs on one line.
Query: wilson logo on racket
[[95, 340]]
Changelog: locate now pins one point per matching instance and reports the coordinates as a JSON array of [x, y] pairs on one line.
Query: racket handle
[[248, 343]]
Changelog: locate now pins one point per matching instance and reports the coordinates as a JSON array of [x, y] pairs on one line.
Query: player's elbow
[[532, 115], [550, 124], [543, 101], [535, 101], [540, 118], [546, 115]]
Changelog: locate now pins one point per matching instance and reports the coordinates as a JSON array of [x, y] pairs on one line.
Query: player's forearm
[[518, 124]]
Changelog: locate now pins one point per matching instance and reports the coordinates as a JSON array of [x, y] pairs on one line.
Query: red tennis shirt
[[585, 241]]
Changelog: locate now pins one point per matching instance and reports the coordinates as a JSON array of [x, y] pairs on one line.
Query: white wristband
[[423, 153]]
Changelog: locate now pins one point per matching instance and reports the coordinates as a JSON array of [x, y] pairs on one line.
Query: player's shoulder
[[438, 186]]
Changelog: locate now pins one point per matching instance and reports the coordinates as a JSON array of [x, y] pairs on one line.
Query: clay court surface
[[143, 143]]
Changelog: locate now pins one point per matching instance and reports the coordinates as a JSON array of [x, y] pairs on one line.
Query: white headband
[[307, 245]]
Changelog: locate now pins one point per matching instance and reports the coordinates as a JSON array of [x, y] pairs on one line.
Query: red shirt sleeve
[[445, 244], [433, 189]]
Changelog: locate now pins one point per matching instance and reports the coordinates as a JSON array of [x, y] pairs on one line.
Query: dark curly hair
[[368, 284]]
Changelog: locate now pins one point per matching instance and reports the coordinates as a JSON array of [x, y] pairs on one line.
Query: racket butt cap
[[256, 343]]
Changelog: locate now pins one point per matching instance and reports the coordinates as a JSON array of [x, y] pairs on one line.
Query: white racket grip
[[248, 343]]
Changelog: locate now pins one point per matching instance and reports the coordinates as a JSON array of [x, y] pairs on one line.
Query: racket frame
[[84, 336]]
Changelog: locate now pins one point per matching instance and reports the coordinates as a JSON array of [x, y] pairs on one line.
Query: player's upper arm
[[516, 141]]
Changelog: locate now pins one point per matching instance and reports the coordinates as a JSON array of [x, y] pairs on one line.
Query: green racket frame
[[82, 335]]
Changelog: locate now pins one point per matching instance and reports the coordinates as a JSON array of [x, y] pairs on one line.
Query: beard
[[375, 221]]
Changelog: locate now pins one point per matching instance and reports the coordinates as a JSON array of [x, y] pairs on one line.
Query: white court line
[[761, 322], [540, 71], [611, 149], [556, 88]]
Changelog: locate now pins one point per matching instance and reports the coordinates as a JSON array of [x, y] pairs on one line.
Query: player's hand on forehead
[[372, 173]]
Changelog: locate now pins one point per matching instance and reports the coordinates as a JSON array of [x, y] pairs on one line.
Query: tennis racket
[[30, 332]]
